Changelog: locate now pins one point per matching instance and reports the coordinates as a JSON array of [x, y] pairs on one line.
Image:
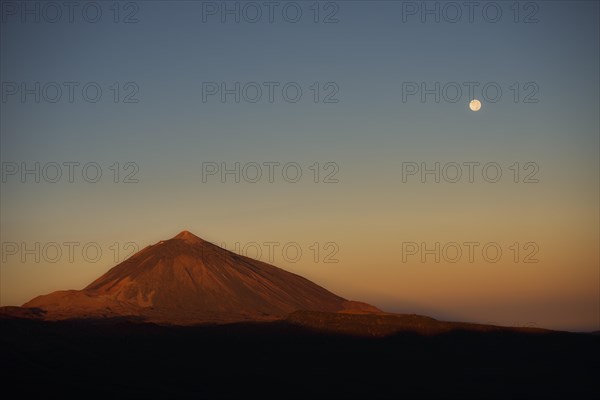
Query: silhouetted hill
[[280, 359]]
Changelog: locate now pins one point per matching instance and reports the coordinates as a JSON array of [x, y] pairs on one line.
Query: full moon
[[475, 105]]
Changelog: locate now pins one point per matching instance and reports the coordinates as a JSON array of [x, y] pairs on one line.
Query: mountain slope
[[188, 280]]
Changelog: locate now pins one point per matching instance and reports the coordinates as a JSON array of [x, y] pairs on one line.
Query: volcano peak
[[188, 237], [186, 280]]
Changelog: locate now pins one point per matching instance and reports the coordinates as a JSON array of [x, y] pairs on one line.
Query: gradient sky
[[369, 133]]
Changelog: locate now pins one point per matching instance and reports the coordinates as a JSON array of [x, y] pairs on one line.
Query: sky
[[332, 139]]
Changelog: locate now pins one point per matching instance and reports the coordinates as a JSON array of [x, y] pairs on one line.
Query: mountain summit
[[188, 237], [186, 280]]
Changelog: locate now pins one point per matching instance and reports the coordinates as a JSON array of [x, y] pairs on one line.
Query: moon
[[475, 105]]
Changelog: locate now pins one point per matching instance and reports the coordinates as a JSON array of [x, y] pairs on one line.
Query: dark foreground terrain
[[282, 360]]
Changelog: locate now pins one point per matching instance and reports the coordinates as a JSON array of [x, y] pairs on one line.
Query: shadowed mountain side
[[383, 324], [186, 280], [8, 312], [280, 359]]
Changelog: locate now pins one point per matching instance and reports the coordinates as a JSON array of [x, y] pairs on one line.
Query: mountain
[[187, 280], [288, 338]]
